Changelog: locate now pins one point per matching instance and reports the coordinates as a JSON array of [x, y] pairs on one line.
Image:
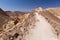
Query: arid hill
[[16, 25], [55, 11]]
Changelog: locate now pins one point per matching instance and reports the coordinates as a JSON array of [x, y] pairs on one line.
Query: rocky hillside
[[3, 18], [16, 25]]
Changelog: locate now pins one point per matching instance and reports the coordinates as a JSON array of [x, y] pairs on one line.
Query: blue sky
[[27, 5]]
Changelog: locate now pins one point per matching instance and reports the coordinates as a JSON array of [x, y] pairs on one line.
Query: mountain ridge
[[21, 22]]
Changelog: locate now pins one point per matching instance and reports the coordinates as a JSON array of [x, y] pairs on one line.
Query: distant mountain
[[15, 13]]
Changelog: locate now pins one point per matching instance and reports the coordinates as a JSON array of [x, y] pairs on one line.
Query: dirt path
[[42, 30]]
